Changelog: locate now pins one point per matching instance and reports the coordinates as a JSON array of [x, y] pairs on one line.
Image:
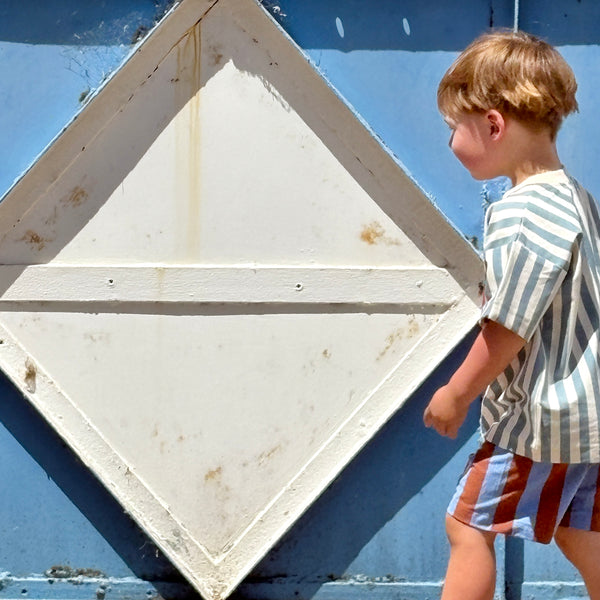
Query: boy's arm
[[493, 350]]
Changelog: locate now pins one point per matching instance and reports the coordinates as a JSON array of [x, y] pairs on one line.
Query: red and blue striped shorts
[[513, 495]]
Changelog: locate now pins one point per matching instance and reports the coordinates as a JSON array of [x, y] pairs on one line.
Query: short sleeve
[[528, 251], [526, 285]]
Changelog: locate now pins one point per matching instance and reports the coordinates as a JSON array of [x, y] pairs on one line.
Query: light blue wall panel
[[53, 56], [43, 87]]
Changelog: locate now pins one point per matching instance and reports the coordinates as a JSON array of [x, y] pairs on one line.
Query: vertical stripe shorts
[[513, 495]]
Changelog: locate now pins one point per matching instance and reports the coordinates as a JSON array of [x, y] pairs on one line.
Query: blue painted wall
[[53, 56], [387, 62], [378, 529]]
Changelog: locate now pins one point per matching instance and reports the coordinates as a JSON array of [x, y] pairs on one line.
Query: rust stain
[[410, 332], [374, 233], [34, 239], [413, 327], [213, 474], [326, 353], [390, 339], [189, 134], [77, 197], [268, 454]]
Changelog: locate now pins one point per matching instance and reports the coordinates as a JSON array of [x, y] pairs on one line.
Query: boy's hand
[[492, 351], [445, 412]]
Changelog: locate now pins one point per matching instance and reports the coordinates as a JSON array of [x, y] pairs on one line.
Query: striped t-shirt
[[542, 254]]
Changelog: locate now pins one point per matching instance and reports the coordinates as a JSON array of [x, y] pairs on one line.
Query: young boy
[[537, 355]]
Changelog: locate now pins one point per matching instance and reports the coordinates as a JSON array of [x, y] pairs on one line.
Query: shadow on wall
[[391, 470], [427, 26], [67, 22], [61, 465], [320, 547]]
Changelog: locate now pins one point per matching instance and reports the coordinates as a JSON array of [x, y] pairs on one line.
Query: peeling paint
[[30, 376], [67, 572], [140, 33]]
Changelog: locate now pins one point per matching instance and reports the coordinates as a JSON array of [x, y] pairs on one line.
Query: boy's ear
[[496, 124]]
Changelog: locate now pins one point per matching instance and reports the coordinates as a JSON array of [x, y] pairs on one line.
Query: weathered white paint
[[404, 287], [217, 286]]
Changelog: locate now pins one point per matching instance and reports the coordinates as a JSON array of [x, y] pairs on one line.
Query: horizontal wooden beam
[[430, 286]]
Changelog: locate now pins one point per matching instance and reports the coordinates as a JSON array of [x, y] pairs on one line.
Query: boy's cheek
[[474, 164], [465, 159], [460, 151]]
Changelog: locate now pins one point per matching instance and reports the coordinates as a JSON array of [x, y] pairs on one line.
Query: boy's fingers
[[446, 430]]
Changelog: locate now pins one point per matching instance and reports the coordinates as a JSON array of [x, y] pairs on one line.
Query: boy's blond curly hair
[[515, 73]]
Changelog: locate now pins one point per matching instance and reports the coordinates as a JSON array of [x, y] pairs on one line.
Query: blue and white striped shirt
[[542, 254]]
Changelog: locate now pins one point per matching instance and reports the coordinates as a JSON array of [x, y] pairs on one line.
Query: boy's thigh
[[513, 495], [582, 548]]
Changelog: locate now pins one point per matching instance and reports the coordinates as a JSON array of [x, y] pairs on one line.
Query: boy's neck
[[529, 152]]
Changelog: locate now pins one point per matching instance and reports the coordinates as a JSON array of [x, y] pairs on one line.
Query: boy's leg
[[471, 573], [582, 548]]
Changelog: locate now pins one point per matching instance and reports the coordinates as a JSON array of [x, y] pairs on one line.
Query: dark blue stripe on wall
[[56, 517], [367, 523], [73, 22], [388, 25]]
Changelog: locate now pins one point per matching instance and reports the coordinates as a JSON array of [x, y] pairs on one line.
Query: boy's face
[[472, 141]]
